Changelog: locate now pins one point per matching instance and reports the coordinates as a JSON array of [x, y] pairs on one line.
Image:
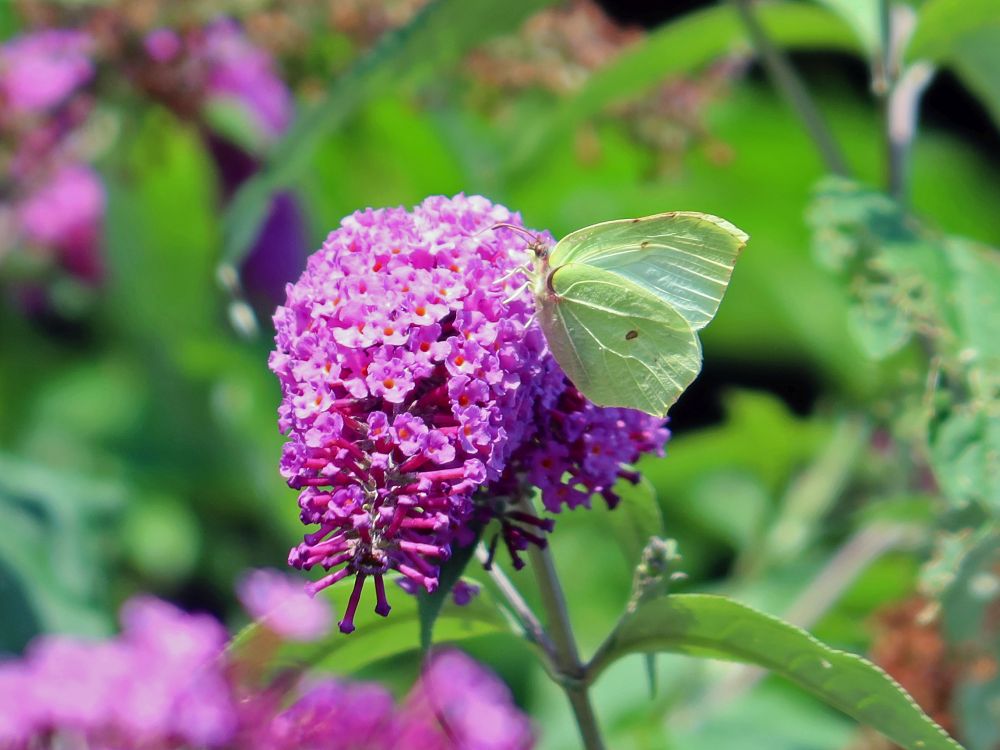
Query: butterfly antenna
[[516, 228]]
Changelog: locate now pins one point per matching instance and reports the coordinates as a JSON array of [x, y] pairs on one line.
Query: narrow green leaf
[[942, 25], [863, 17], [429, 605], [682, 46], [438, 36], [376, 637], [716, 627]]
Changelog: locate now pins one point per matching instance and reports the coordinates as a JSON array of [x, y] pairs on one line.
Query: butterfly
[[621, 302]]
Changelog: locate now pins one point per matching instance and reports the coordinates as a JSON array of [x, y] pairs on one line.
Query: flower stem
[[784, 77], [567, 656]]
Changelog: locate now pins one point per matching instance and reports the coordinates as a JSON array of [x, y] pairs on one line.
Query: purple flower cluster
[[166, 682], [413, 375], [408, 381], [55, 199]]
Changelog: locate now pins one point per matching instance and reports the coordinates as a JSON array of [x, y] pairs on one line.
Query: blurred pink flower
[[458, 703], [280, 602], [64, 214], [39, 71], [239, 70]]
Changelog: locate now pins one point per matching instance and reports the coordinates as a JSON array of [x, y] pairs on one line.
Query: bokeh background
[[138, 439]]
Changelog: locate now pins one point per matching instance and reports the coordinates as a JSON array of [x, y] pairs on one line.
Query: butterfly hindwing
[[620, 344]]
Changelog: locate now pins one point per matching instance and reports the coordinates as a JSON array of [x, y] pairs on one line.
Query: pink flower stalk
[[409, 376], [40, 71], [278, 601]]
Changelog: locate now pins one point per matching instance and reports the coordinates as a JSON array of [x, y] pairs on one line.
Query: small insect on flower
[[621, 303]]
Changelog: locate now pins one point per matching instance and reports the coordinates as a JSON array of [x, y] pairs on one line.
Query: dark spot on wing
[[631, 335]]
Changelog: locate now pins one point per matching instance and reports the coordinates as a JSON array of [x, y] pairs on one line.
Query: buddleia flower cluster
[[168, 681], [419, 394]]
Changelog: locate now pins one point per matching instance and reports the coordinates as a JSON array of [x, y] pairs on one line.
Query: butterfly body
[[621, 302]]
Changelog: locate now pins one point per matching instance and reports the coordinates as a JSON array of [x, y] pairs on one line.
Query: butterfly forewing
[[684, 258], [620, 344]]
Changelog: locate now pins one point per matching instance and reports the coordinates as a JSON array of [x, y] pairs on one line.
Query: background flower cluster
[[168, 681]]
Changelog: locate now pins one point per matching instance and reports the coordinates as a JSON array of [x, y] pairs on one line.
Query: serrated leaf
[[438, 35], [896, 271], [429, 605], [716, 627], [965, 456]]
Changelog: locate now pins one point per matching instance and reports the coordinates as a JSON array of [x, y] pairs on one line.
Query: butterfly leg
[[518, 292]]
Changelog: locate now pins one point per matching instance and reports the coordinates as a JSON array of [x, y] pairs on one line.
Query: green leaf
[[967, 602], [438, 36], [716, 627], [978, 712], [943, 24], [682, 46], [896, 272], [162, 233], [379, 637], [965, 456], [429, 605], [863, 16], [53, 586], [977, 62]]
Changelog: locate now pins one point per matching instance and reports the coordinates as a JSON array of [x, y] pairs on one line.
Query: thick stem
[[567, 656], [793, 89]]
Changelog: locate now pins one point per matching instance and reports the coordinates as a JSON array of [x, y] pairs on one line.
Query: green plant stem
[[793, 89], [531, 627], [567, 657]]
